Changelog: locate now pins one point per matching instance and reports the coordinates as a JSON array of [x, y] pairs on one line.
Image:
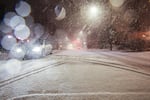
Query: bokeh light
[[34, 51], [16, 21], [8, 16], [22, 32], [5, 29], [21, 28], [8, 41], [117, 3], [18, 51], [23, 8], [60, 12], [93, 11]]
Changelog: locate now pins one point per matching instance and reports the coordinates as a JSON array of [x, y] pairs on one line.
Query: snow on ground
[[84, 54], [76, 77], [138, 60], [143, 57], [140, 57], [74, 52], [14, 67], [81, 78]]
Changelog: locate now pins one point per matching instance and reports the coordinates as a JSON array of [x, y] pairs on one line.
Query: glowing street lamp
[[93, 12]]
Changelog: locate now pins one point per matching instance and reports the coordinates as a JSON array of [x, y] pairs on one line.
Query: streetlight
[[93, 12], [91, 15]]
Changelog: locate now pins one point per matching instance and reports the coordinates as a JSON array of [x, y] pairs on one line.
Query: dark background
[[43, 12]]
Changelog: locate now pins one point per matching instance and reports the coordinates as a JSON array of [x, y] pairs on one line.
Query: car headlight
[[37, 49]]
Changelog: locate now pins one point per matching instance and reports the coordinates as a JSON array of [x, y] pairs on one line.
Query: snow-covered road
[[78, 75], [138, 60]]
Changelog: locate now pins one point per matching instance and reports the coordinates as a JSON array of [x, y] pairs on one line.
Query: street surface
[[78, 75]]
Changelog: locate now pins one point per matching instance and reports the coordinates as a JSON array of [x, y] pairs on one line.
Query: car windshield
[[75, 49]]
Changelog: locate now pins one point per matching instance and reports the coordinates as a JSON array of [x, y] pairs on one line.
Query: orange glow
[[140, 35]]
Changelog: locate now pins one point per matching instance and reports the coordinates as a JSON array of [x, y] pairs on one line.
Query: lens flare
[[5, 29], [16, 21], [18, 51], [22, 32], [60, 12], [117, 3], [34, 51], [93, 10], [8, 16], [8, 41], [23, 8]]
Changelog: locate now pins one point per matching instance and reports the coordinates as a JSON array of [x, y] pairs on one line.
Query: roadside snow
[[138, 60], [14, 67]]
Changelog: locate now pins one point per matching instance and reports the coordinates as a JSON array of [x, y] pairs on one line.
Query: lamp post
[[91, 15]]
